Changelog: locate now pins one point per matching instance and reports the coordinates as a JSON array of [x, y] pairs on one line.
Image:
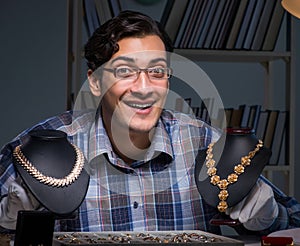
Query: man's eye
[[157, 70], [124, 71]]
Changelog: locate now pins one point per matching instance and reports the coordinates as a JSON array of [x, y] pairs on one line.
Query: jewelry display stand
[[34, 228], [53, 156], [234, 144]]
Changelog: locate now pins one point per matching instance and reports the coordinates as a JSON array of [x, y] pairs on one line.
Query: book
[[182, 31], [207, 23], [245, 115], [91, 16], [262, 124], [270, 128], [245, 24], [166, 12], [190, 28], [196, 111], [179, 104], [175, 17], [204, 114], [206, 109], [262, 25], [199, 23], [216, 19], [283, 155], [278, 137], [254, 116], [228, 113], [183, 105], [115, 7], [221, 22], [210, 107], [236, 116], [187, 105], [253, 24], [236, 24], [274, 27], [103, 10], [226, 27]]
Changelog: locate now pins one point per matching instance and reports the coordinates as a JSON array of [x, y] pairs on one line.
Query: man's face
[[135, 102]]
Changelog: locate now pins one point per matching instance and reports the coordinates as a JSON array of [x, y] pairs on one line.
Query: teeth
[[140, 106]]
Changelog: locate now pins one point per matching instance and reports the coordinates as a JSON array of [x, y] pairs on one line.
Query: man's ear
[[94, 83]]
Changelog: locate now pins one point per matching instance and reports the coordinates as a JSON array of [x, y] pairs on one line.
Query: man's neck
[[128, 144]]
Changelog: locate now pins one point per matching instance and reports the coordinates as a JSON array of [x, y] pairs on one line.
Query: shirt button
[[135, 205]]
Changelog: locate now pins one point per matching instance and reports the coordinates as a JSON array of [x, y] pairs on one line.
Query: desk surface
[[255, 241], [6, 239]]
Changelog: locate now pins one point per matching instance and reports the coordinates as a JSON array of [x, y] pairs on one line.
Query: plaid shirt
[[156, 193]]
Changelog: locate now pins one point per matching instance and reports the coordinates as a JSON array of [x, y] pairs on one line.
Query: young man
[[141, 157]]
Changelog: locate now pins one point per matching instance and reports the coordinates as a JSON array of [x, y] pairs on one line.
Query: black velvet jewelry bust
[[227, 152], [50, 152]]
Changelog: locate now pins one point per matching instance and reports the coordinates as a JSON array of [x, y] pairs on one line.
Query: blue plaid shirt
[[156, 193]]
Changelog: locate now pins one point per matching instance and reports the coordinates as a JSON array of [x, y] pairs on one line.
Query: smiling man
[[141, 157], [134, 85]]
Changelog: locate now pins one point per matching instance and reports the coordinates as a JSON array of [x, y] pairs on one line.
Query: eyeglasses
[[129, 73]]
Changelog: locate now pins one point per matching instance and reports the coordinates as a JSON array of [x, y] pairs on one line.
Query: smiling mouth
[[140, 105]]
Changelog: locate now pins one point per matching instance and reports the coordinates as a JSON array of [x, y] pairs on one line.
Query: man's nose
[[142, 82]]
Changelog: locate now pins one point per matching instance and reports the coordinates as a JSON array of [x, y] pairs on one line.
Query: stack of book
[[223, 24], [269, 125], [97, 12], [203, 112]]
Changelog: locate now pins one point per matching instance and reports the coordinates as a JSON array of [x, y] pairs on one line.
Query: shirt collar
[[99, 142]]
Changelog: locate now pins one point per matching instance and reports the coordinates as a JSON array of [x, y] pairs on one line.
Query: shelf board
[[277, 168], [232, 55]]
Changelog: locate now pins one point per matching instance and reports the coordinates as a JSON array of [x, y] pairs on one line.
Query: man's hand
[[17, 199], [258, 210]]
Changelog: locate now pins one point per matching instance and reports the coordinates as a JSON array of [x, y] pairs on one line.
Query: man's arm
[[266, 209]]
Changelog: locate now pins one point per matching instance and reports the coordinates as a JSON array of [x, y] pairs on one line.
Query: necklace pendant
[[211, 171], [222, 206], [223, 195], [232, 178], [239, 169], [222, 184], [210, 163], [245, 161], [209, 156], [215, 179]]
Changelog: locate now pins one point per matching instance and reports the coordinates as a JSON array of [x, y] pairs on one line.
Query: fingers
[[258, 210], [17, 197]]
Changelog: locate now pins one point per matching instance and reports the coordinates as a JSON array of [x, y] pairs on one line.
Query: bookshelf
[[265, 56], [266, 59]]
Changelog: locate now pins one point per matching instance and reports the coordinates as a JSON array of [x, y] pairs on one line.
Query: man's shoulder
[[67, 118], [176, 120], [181, 119]]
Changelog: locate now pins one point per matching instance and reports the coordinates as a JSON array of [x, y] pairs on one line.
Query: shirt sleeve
[[289, 210], [7, 170]]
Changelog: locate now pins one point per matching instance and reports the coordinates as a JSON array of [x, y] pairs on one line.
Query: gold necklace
[[231, 178], [51, 181]]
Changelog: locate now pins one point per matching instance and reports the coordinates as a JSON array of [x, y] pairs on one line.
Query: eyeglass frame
[[138, 71]]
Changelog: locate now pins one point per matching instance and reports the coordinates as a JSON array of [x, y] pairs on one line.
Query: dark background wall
[[33, 67]]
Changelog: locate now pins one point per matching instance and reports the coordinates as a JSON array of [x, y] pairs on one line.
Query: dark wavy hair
[[102, 45]]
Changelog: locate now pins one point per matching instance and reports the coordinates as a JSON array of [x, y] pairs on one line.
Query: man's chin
[[141, 127]]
